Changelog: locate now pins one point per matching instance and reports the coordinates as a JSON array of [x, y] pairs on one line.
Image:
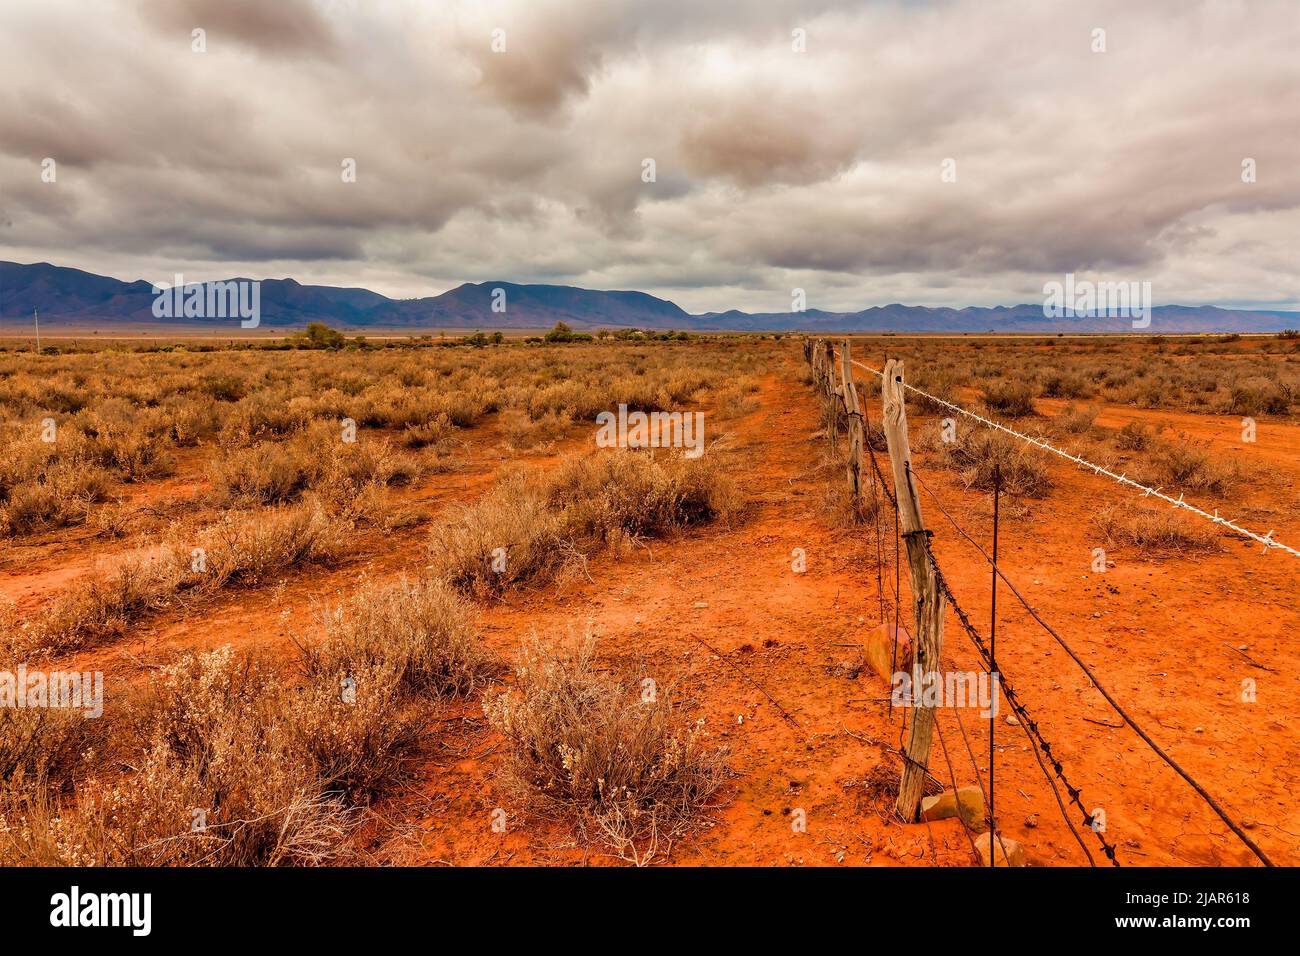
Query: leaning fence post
[[929, 601]]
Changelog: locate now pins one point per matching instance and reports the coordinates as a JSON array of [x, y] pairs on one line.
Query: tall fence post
[[929, 601], [856, 436]]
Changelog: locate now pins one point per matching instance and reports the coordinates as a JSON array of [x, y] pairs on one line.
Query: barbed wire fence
[[842, 407]]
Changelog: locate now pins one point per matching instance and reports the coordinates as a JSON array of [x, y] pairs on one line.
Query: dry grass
[[38, 743], [588, 749], [121, 415], [275, 770], [421, 629], [213, 738], [1159, 529], [1134, 436], [272, 472], [1079, 421], [978, 454], [1011, 397], [531, 526], [1189, 466], [235, 551]]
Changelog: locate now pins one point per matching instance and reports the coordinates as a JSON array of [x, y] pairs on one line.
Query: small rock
[[1248, 822], [701, 603], [968, 803], [1013, 720], [1031, 821], [1010, 853]]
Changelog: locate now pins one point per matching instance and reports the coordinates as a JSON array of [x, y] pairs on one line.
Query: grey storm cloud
[[774, 168]]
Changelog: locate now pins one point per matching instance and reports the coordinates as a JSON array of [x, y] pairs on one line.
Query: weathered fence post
[[929, 601], [854, 413], [832, 397]]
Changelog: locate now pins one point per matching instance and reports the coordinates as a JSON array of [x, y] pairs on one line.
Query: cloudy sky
[[795, 145]]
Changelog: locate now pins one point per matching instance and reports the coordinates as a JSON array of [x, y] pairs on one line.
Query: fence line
[[820, 356], [1147, 492], [1123, 714]]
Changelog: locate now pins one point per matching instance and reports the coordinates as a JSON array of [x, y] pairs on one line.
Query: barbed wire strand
[[1266, 540], [1026, 721], [1123, 714]]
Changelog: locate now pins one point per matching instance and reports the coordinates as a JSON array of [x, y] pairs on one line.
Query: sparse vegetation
[[1150, 528], [532, 527], [978, 453], [1011, 397], [587, 748]]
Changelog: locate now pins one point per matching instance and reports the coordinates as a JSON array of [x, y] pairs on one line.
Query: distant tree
[[497, 338], [318, 335], [563, 333]]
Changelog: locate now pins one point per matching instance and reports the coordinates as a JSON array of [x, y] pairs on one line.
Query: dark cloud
[[294, 27], [775, 169]]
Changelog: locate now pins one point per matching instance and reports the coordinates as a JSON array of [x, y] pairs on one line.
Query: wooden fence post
[[854, 413], [929, 601], [832, 397]]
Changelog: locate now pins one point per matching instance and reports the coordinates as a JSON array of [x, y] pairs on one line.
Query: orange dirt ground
[[1164, 634]]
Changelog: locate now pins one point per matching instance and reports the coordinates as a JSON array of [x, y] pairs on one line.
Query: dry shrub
[[1153, 528], [1058, 384], [1078, 421], [38, 743], [512, 516], [937, 381], [364, 743], [139, 457], [245, 549], [737, 399], [524, 433], [545, 523], [214, 739], [273, 771], [1011, 397], [1258, 395], [44, 485], [1134, 436], [978, 454], [637, 494], [264, 473], [316, 459], [423, 630], [237, 550], [60, 496], [584, 748], [837, 498], [1189, 465], [423, 434], [104, 603]]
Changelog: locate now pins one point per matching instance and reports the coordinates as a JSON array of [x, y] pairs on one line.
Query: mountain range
[[82, 300]]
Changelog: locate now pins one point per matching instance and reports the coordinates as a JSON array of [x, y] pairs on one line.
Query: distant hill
[[73, 297]]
